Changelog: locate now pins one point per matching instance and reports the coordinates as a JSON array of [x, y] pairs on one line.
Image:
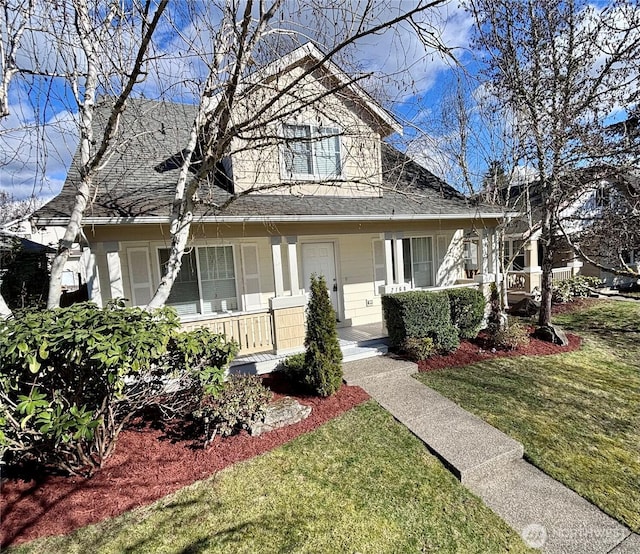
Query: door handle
[[335, 287]]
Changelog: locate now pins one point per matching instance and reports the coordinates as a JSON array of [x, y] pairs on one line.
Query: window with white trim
[[514, 248], [311, 152], [206, 282], [417, 254]]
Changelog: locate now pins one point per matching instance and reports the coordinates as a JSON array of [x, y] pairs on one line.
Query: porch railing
[[561, 273], [516, 280], [252, 331]]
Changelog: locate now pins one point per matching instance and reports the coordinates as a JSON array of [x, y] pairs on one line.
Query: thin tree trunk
[[547, 269]]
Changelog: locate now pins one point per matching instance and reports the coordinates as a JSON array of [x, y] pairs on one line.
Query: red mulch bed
[[147, 465], [476, 350]]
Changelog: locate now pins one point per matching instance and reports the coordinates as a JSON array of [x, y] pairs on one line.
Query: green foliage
[[420, 314], [511, 337], [293, 367], [205, 355], [497, 319], [418, 349], [72, 377], [241, 401], [467, 310], [322, 371], [25, 283], [577, 286]]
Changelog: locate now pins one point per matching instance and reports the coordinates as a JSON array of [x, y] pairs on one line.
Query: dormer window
[[311, 153]]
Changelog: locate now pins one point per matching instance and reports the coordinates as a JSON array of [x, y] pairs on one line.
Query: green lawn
[[577, 414], [361, 483]]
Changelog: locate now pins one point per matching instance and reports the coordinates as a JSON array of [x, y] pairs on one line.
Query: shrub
[[203, 355], [418, 349], [322, 372], [578, 286], [511, 337], [293, 366], [73, 377], [241, 402], [420, 314], [467, 307]]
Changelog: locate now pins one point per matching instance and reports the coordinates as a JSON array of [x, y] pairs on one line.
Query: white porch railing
[[516, 280], [561, 273], [252, 331]]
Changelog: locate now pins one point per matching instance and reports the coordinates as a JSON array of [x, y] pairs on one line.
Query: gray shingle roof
[[139, 180]]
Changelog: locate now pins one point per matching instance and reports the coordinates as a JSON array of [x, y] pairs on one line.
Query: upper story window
[[311, 152]]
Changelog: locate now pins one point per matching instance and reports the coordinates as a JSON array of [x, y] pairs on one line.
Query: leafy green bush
[[204, 355], [467, 307], [73, 377], [578, 286], [511, 337], [322, 371], [241, 401], [420, 314], [418, 349], [293, 366]]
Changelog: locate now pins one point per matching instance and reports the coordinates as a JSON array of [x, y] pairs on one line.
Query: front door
[[319, 258]]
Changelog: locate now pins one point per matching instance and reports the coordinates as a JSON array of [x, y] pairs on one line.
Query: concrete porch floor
[[356, 342]]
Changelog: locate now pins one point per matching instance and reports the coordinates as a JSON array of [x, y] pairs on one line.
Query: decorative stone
[[552, 333], [281, 413]]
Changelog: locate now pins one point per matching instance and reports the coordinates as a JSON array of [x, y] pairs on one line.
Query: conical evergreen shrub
[[323, 357]]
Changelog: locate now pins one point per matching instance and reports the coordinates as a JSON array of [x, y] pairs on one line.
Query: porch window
[[218, 279], [418, 261], [311, 152], [206, 282], [514, 247], [185, 294]]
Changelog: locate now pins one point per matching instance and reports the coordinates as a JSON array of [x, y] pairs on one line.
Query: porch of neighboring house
[[357, 342]]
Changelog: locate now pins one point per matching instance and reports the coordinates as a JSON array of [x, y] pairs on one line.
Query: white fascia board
[[281, 219]]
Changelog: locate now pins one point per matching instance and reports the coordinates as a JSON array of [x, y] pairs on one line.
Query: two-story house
[[330, 197]]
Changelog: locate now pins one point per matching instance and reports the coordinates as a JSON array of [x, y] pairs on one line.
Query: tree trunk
[[5, 312], [547, 268]]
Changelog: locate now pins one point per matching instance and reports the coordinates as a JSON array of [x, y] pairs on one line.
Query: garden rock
[[280, 413], [552, 333], [526, 307]]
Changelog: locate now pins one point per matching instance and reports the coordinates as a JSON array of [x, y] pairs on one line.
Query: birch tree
[[248, 35], [563, 68]]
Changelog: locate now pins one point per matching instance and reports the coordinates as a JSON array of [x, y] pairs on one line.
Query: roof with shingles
[[138, 182]]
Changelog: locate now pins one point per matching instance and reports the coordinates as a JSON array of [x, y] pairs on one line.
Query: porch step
[[357, 352]]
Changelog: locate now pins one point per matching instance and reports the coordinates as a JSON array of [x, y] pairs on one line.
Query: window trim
[[314, 138]]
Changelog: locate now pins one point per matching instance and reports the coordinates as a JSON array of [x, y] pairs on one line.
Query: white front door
[[319, 258]]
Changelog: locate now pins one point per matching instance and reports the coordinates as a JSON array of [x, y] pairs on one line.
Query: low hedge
[[420, 314], [467, 311]]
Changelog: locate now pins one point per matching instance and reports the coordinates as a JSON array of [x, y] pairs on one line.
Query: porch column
[[88, 260], [483, 243], [276, 254], [399, 259], [388, 260], [532, 269], [292, 248], [115, 270]]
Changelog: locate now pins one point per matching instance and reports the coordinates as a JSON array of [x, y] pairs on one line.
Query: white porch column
[[292, 248], [399, 259], [484, 252], [388, 260], [92, 276], [276, 254], [115, 269]]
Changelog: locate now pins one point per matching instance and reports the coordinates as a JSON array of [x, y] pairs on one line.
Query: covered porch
[[356, 342]]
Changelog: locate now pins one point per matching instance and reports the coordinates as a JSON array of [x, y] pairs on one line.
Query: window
[[311, 152], [206, 282], [418, 261], [185, 295], [511, 248]]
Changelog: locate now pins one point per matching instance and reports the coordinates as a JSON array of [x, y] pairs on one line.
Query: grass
[[577, 414], [361, 483]]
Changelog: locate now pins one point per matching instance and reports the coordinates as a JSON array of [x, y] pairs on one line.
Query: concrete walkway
[[547, 514]]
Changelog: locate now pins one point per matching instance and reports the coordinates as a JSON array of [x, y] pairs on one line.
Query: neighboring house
[[332, 199], [582, 214]]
